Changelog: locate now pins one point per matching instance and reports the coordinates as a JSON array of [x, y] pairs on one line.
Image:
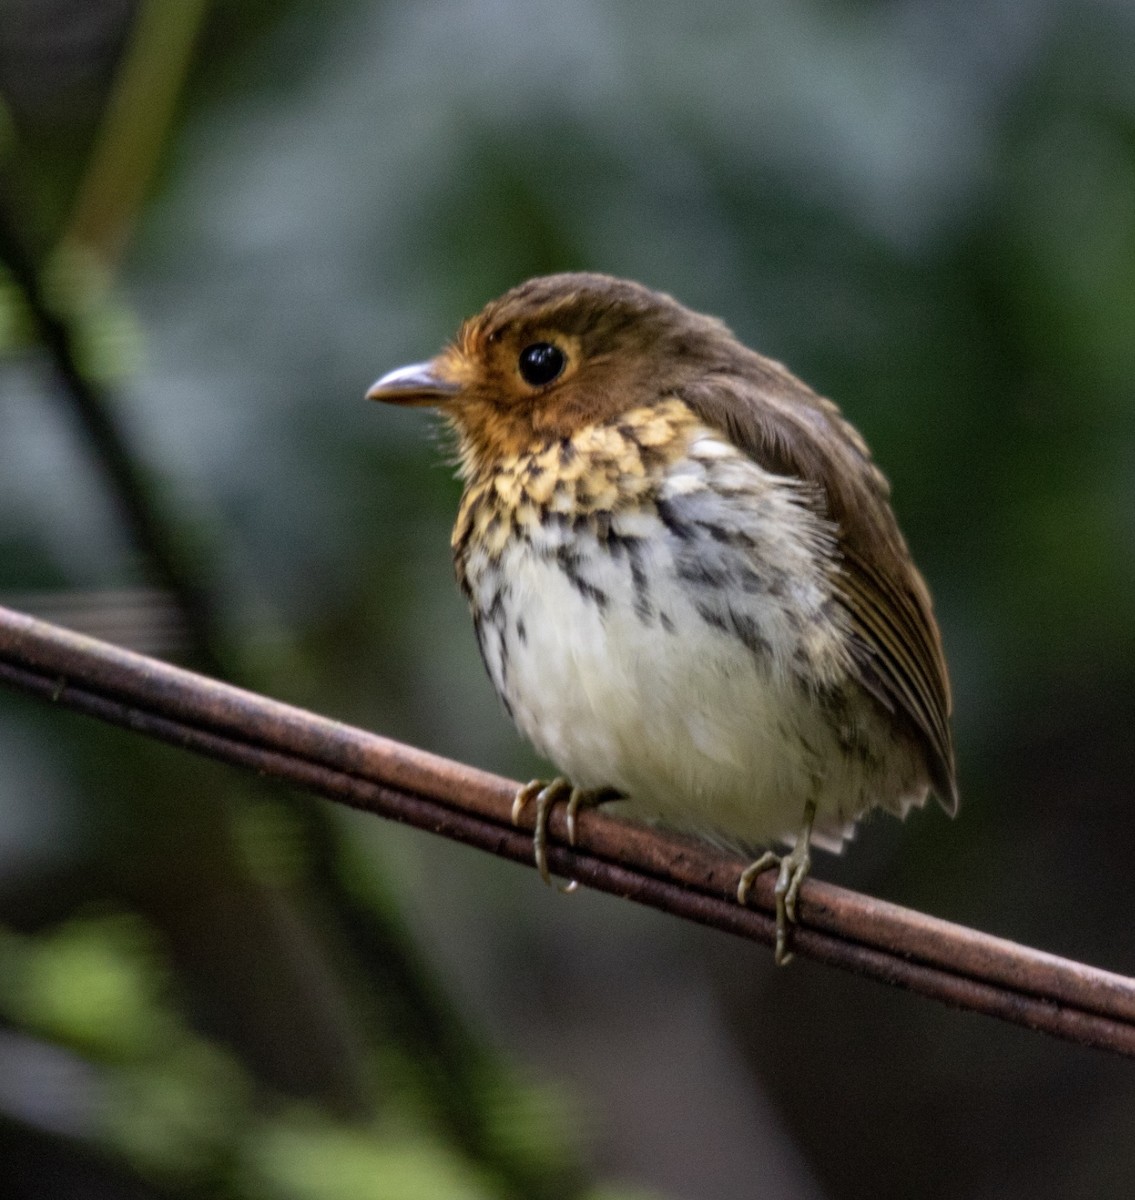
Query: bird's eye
[[540, 363]]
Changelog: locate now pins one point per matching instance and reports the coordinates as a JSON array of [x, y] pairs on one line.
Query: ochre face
[[519, 381], [550, 357]]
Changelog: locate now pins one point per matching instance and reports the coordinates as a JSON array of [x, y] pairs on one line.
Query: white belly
[[679, 716]]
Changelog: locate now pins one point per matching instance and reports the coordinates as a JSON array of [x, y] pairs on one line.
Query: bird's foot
[[793, 869], [545, 795]]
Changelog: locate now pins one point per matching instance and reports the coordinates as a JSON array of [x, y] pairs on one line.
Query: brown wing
[[785, 427]]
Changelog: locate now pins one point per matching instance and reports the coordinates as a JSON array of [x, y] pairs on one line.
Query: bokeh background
[[240, 214]]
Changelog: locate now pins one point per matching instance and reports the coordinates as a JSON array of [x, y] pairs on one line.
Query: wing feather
[[787, 428]]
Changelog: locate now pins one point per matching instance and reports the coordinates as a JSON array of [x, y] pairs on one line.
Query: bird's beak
[[418, 384]]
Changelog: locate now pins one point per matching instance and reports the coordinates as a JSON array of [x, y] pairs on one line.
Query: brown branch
[[907, 949]]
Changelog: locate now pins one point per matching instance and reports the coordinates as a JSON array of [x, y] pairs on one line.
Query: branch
[[907, 949], [133, 128], [130, 488]]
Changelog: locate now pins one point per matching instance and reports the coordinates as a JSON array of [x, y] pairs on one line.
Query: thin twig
[[130, 488], [907, 949], [134, 128]]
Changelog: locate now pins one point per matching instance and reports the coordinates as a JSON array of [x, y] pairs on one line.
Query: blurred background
[[218, 224]]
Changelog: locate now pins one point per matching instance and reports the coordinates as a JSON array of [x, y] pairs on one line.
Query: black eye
[[540, 363]]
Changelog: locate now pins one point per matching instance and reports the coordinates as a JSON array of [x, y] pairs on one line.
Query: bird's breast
[[658, 614]]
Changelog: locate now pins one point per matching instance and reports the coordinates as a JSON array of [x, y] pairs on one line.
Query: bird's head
[[553, 355]]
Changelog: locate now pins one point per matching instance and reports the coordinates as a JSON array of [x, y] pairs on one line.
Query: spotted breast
[[657, 613]]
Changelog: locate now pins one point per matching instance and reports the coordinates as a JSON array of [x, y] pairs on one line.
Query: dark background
[[243, 213]]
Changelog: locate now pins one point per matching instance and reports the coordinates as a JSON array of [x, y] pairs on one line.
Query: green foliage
[[109, 336], [302, 1156], [91, 984]]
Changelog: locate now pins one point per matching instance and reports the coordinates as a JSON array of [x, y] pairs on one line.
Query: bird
[[687, 582]]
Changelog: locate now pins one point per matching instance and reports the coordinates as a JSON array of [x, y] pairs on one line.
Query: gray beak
[[416, 384]]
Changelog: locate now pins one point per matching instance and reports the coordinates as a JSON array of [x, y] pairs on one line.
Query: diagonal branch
[[908, 949]]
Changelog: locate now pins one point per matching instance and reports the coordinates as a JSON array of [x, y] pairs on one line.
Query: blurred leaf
[[179, 1116], [301, 1157], [109, 336], [94, 984]]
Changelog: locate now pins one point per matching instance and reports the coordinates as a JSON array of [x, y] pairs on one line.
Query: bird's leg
[[793, 870], [545, 795]]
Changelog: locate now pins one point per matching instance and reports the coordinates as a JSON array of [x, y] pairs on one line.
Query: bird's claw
[[792, 870], [545, 795]]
